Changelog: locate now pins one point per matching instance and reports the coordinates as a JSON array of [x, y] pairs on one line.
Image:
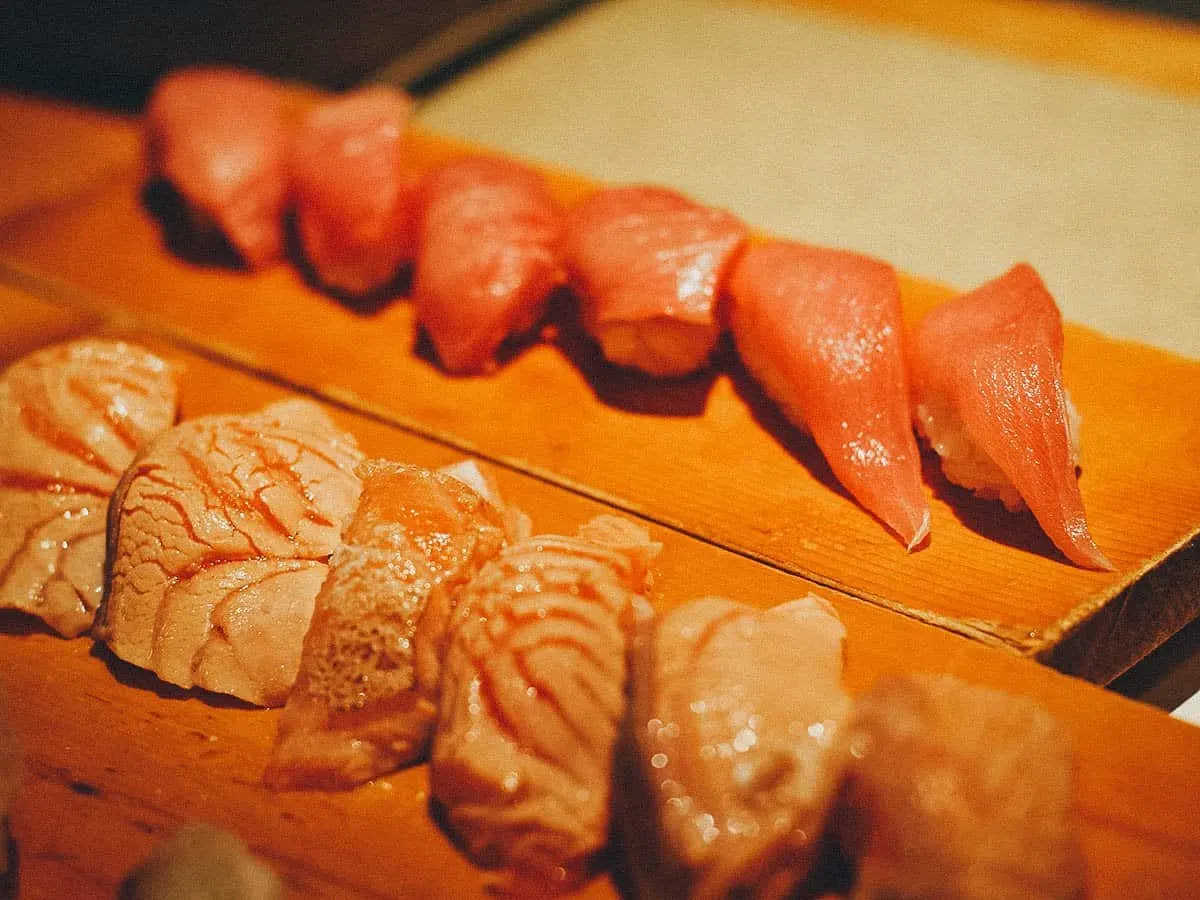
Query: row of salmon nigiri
[[658, 277]]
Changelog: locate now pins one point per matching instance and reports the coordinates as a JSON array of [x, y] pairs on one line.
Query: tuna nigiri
[[649, 266], [733, 725], [353, 200], [72, 416], [533, 691], [987, 377], [821, 331], [221, 139], [219, 536], [360, 707], [488, 258]]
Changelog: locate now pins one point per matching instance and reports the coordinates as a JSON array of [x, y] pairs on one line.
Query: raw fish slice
[[359, 708], [354, 202], [200, 862], [649, 265], [533, 692], [987, 374], [218, 542], [221, 138], [488, 258], [734, 716], [72, 416], [821, 331], [956, 792]]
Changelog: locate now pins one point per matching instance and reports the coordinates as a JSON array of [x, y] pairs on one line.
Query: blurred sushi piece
[[220, 137], [488, 258], [201, 862], [353, 198], [649, 265], [988, 387], [821, 331]]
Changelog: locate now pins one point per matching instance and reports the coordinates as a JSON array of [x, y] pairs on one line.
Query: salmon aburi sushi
[[733, 730], [488, 258], [353, 198], [988, 385], [360, 706], [957, 792], [221, 139], [649, 266], [821, 331], [533, 691], [219, 537], [72, 417]]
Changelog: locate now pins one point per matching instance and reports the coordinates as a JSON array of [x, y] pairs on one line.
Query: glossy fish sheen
[[72, 416], [821, 330], [987, 372], [218, 542]]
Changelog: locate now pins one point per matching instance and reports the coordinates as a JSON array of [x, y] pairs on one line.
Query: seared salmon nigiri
[[649, 266], [533, 691], [353, 200], [220, 138], [218, 541], [821, 331], [734, 718], [958, 792], [359, 707], [72, 416], [488, 258], [987, 373]]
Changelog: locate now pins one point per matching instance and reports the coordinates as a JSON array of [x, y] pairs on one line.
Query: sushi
[[821, 331], [219, 538], [72, 416], [732, 731], [649, 266], [200, 862], [533, 691], [488, 258], [988, 388], [359, 708], [221, 138], [353, 200]]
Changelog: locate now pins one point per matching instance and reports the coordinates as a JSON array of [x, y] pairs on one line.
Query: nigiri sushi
[[200, 862], [72, 416], [221, 138], [988, 386], [488, 258], [733, 724], [354, 203], [957, 792], [649, 266], [218, 540], [533, 691], [359, 707], [821, 331]]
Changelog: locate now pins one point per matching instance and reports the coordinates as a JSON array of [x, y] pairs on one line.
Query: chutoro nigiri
[[649, 266], [488, 258], [533, 691], [821, 331], [72, 416], [353, 200], [220, 137], [987, 376], [218, 542], [732, 730], [360, 707]]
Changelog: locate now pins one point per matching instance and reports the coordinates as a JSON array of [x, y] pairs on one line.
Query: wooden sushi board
[[708, 455], [115, 760]]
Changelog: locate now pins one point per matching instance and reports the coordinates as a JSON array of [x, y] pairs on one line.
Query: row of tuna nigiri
[[658, 277], [400, 614]]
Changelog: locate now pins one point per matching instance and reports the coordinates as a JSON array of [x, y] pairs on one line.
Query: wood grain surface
[[709, 455], [116, 759]]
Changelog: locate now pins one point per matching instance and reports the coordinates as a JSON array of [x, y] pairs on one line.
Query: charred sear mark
[[83, 788]]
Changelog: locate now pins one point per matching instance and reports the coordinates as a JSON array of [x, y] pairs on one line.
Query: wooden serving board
[[116, 760], [708, 455]]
